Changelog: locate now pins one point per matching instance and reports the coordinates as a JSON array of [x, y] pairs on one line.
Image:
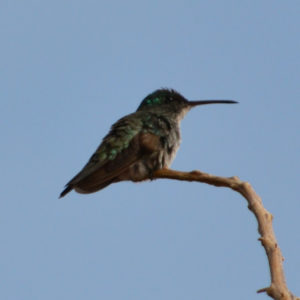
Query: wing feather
[[125, 144], [98, 173]]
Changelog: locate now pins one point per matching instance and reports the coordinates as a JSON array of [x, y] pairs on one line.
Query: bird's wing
[[116, 153]]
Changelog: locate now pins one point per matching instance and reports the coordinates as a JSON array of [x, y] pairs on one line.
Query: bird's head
[[170, 101]]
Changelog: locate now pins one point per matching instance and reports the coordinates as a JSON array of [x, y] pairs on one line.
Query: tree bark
[[278, 289]]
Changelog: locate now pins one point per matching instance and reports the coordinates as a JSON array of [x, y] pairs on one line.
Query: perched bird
[[138, 144]]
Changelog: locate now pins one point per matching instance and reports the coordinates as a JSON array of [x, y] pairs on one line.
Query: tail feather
[[66, 191], [83, 188]]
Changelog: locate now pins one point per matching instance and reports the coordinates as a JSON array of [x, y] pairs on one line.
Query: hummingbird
[[138, 144]]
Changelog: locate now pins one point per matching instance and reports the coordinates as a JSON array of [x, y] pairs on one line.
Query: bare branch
[[278, 289]]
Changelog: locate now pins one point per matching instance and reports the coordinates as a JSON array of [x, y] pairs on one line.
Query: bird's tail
[[66, 191]]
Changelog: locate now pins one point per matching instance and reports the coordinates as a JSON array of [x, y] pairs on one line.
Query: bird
[[138, 144]]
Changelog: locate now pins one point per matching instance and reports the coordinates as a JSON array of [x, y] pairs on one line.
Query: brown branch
[[278, 289]]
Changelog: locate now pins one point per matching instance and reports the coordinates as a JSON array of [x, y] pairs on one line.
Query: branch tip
[[263, 290]]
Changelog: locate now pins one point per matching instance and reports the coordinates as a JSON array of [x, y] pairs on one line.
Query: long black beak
[[203, 102]]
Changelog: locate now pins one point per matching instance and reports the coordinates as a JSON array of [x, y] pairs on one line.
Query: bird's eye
[[156, 100], [149, 101]]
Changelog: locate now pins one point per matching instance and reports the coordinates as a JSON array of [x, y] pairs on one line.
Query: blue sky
[[69, 69]]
